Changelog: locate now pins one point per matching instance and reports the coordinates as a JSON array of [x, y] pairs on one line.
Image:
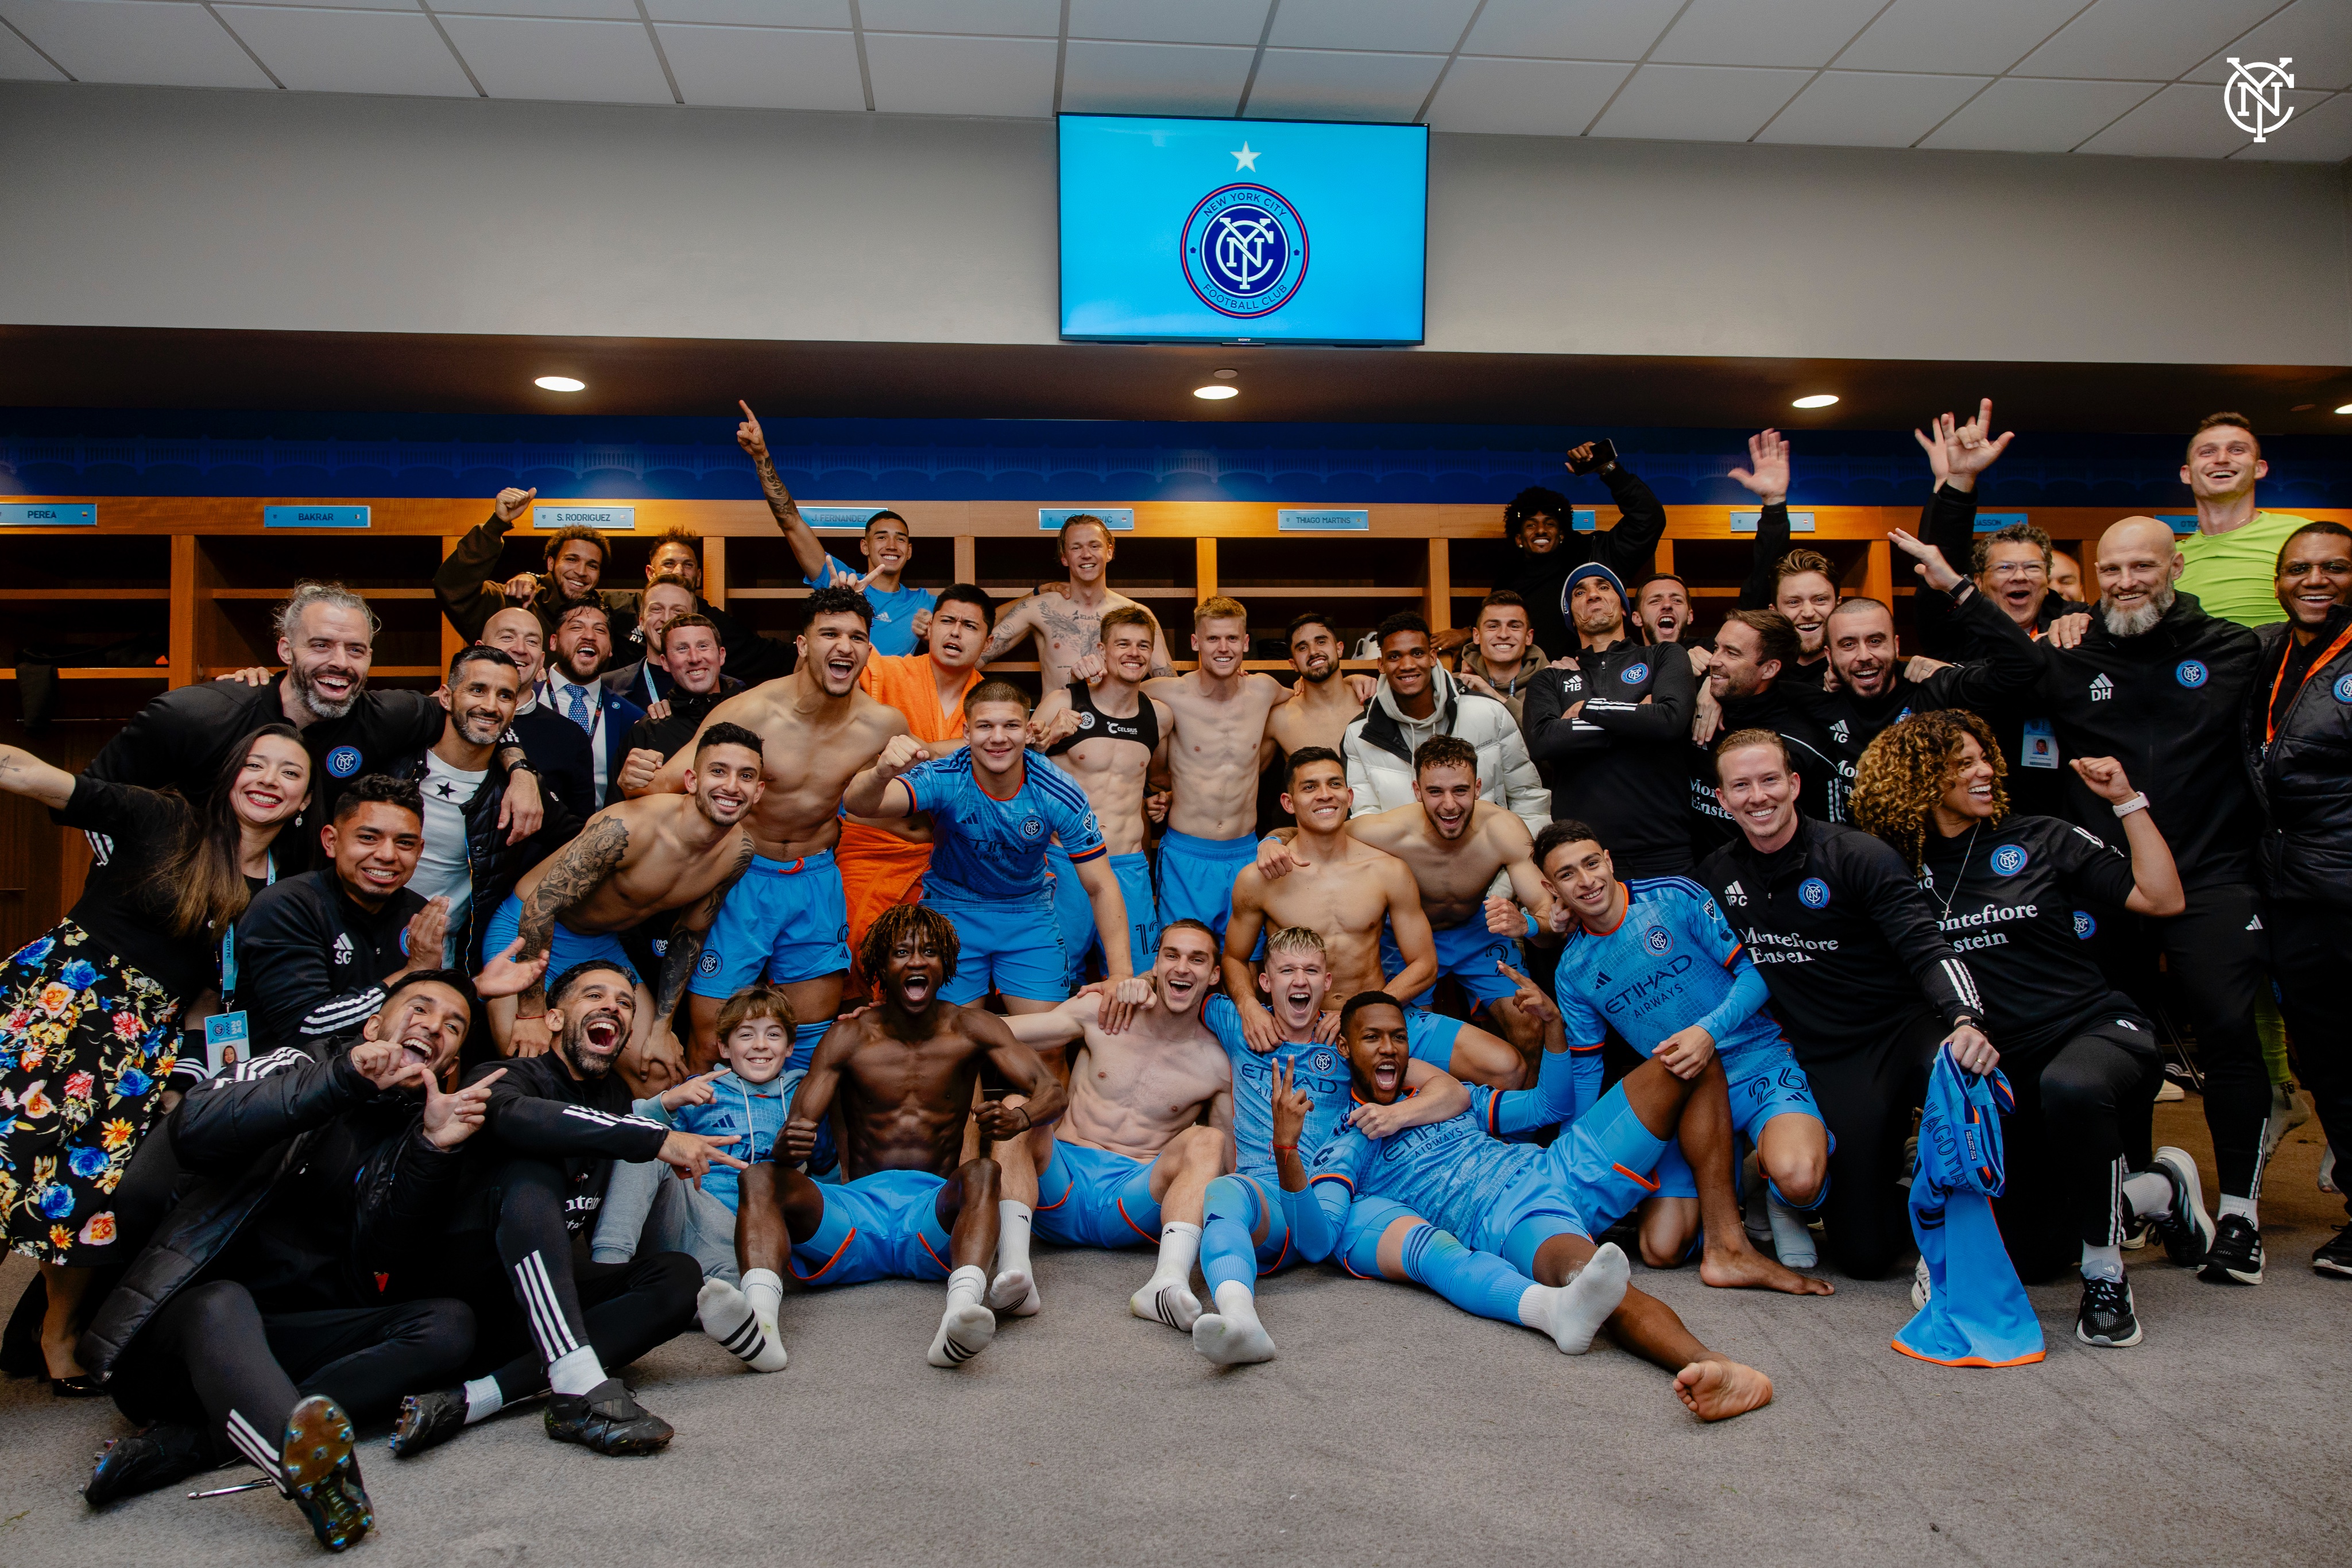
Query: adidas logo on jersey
[[342, 947], [1838, 731], [1735, 893], [2255, 924], [2102, 689]]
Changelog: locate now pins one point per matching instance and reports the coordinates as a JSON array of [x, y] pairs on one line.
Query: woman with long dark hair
[[88, 1012]]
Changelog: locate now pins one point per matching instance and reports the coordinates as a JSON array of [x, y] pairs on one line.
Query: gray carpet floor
[[1391, 1430]]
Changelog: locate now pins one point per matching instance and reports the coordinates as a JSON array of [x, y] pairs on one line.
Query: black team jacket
[[539, 1111], [310, 963], [1620, 764], [2302, 767], [1626, 548]]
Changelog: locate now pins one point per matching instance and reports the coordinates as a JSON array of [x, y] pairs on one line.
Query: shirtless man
[[1455, 845], [787, 915], [1347, 890], [1217, 749], [632, 860], [1067, 626], [911, 1207], [1150, 1125], [1118, 748], [1324, 701]]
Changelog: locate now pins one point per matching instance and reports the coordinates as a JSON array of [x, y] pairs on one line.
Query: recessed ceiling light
[[1819, 400], [1216, 393], [2344, 408], [560, 383], [1225, 375]]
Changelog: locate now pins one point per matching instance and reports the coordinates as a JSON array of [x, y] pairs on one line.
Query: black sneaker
[[606, 1419], [2185, 1229], [322, 1474], [427, 1421], [2336, 1257], [2236, 1256], [146, 1460], [2105, 1318]]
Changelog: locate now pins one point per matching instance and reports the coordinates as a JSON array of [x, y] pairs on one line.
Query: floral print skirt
[[85, 1044]]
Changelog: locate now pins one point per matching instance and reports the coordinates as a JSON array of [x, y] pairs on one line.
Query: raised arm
[[879, 791], [1065, 1025], [1629, 545], [22, 773], [457, 586], [807, 553], [1766, 478], [2156, 879], [1013, 626]]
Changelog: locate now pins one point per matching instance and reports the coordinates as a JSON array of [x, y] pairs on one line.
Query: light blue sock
[[1478, 1283], [1227, 1253]]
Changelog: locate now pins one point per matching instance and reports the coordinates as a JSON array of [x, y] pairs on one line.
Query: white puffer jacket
[[1380, 746]]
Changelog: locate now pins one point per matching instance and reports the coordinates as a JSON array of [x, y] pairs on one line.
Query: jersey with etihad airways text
[[1671, 962], [1319, 1069], [984, 850], [1450, 1173]]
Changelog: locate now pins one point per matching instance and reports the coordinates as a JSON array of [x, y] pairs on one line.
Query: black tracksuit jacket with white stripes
[[1844, 938], [539, 1111], [310, 964]]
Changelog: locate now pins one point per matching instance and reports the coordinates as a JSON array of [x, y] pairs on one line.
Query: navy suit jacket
[[621, 715]]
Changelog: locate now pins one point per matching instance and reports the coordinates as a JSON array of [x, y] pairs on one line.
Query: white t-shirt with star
[[441, 869]]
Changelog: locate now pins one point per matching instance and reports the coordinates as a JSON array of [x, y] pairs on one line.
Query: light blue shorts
[[1015, 947], [883, 1226], [789, 918], [1765, 1081], [1469, 953], [1074, 912], [1261, 1187], [1431, 1036], [1593, 1174], [1196, 878], [565, 946], [1093, 1197]]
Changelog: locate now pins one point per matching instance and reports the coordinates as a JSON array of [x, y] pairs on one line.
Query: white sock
[[764, 1290], [967, 1282], [2102, 1262], [1572, 1313], [1167, 1297], [1792, 1241], [967, 1326], [575, 1372], [2148, 1193], [728, 1318], [483, 1399], [2243, 1207], [1232, 1335], [1014, 1288]]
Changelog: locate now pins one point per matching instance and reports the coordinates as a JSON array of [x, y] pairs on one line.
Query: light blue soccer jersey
[[1671, 963], [1452, 1173], [986, 851], [1319, 1069], [893, 630]]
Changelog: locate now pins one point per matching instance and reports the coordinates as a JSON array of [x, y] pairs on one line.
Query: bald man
[[2159, 684]]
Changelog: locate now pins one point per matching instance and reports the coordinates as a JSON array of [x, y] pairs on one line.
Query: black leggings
[[514, 1262], [1867, 1097], [2080, 1126], [2309, 946], [212, 1357]]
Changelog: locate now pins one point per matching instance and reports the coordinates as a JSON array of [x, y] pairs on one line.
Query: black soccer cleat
[[2184, 1227], [427, 1421], [2336, 1257], [2105, 1317], [322, 1474], [2236, 1255], [606, 1419], [146, 1460]]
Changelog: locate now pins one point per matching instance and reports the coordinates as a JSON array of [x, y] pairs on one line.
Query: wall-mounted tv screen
[[1243, 230]]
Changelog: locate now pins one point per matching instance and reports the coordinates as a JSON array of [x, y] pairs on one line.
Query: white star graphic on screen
[[1245, 158]]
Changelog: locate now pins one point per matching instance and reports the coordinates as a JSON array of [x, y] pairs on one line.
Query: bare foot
[[1718, 1390], [1745, 1269]]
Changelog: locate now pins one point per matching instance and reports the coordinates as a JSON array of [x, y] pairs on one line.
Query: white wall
[[163, 207]]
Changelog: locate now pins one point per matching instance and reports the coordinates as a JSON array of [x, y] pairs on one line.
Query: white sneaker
[[1919, 1286]]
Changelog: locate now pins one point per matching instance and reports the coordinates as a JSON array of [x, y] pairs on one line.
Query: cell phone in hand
[[1603, 453]]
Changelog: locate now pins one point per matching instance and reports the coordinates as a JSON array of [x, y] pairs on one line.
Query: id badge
[[2039, 746], [226, 1042]]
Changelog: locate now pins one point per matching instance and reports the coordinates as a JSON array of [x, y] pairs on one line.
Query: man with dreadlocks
[[2014, 895], [910, 1205]]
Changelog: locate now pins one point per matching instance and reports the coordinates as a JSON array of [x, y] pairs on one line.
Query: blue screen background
[[1128, 183]]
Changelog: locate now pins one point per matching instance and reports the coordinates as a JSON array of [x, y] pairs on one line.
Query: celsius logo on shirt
[[2086, 927], [1658, 941], [1636, 674], [2009, 859], [1814, 892], [344, 762], [2344, 690], [2189, 674]]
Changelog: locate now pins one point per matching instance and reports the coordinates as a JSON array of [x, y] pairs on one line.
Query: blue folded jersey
[[1977, 1314]]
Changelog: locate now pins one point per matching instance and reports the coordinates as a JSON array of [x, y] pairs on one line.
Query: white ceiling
[[2136, 78]]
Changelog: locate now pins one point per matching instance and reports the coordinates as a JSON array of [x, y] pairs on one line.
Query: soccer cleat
[[322, 1475], [606, 1419], [2184, 1227], [2106, 1318], [427, 1421], [2236, 1256], [2336, 1257], [146, 1460]]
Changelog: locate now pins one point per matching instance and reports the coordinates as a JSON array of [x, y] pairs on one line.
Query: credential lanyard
[[2270, 713]]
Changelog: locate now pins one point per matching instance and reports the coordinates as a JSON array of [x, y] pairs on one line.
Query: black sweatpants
[[2310, 946], [2218, 954], [214, 1359], [1867, 1095], [515, 1263], [2081, 1125]]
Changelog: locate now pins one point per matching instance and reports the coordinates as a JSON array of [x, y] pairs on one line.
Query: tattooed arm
[[1161, 664], [1014, 624], [807, 553], [578, 870]]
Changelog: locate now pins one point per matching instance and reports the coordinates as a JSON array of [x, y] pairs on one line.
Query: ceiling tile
[[833, 14], [1156, 21], [2013, 116], [589, 62], [1426, 26], [1744, 32], [1699, 103], [764, 68], [408, 6], [589, 10], [349, 51], [1569, 29], [20, 62], [1869, 109], [136, 41], [1328, 84], [1005, 19], [1985, 37], [1102, 78], [2188, 120], [2322, 134], [925, 73], [1524, 98], [2146, 40], [2316, 34]]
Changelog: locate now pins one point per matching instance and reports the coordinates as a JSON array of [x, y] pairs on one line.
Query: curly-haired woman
[[87, 1011], [2017, 895]]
